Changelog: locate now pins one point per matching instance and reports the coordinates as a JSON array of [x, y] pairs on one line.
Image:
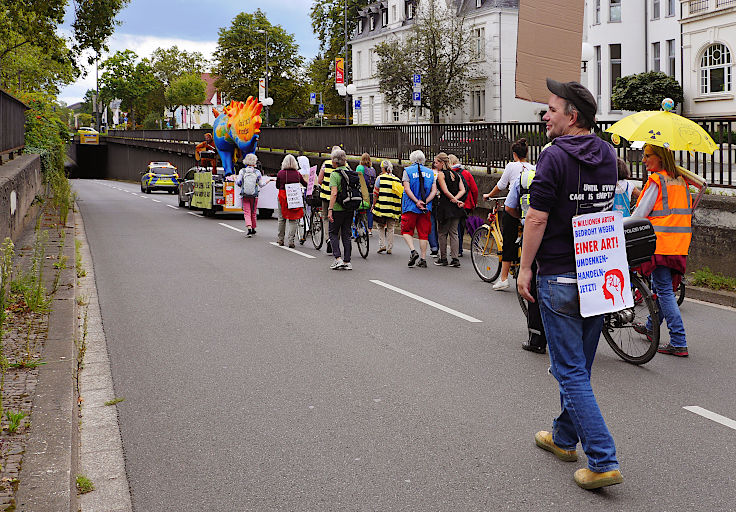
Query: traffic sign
[[357, 104], [417, 79], [417, 98], [261, 89], [312, 98], [321, 109]]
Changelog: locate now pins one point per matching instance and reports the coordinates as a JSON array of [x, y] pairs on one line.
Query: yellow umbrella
[[665, 129]]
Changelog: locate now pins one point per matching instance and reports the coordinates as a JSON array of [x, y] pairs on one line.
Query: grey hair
[[417, 157], [289, 162], [335, 148], [250, 159], [339, 158], [387, 165], [570, 109]]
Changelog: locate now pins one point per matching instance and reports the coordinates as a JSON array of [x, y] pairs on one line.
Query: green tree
[[321, 79], [32, 68], [170, 63], [241, 61], [645, 91], [186, 90], [94, 23], [131, 81], [438, 46]]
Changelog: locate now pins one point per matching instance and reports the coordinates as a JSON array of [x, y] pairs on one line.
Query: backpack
[[250, 183], [349, 196], [622, 203], [465, 184]]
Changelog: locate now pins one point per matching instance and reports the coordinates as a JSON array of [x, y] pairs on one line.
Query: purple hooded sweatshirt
[[575, 175]]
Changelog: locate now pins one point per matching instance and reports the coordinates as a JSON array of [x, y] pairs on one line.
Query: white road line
[[427, 301], [231, 227], [172, 206], [293, 250], [135, 194], [195, 214], [155, 200], [711, 304], [705, 413]]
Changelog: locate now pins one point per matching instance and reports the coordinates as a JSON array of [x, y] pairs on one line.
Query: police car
[[160, 176]]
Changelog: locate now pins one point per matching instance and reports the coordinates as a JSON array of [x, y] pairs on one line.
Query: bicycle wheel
[[484, 254], [618, 327], [316, 230], [361, 236], [680, 293]]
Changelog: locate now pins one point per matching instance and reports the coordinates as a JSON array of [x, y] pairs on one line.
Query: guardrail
[[478, 144], [12, 124]]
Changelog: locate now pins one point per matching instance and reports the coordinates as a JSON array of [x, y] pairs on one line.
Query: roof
[[211, 90]]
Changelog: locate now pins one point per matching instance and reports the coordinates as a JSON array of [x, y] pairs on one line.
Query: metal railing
[[725, 3], [486, 145], [12, 124], [696, 6]]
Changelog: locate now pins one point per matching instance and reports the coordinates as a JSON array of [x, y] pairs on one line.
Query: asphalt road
[[256, 378]]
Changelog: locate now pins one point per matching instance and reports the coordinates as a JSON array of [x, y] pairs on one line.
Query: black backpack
[[349, 196]]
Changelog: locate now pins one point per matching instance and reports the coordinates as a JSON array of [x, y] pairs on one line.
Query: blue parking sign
[[321, 109], [357, 104], [417, 78], [312, 98], [417, 97]]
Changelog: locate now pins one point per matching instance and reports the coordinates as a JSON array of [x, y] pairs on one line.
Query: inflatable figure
[[236, 131]]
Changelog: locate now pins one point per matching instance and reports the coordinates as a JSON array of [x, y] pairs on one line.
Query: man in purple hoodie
[[575, 175]]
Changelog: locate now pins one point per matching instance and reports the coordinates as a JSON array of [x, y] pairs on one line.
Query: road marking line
[[427, 301], [155, 200], [293, 250], [231, 227], [172, 206], [135, 194], [711, 304], [705, 413], [195, 214]]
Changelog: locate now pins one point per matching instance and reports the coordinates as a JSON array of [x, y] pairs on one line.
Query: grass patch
[[114, 401], [84, 484], [707, 278], [14, 419], [81, 272]]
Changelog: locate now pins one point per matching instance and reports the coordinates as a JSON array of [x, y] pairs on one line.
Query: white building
[[193, 116], [493, 25], [708, 43], [629, 37]]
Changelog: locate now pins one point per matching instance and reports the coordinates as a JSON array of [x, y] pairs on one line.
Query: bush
[[715, 280], [645, 91], [205, 126], [152, 121]]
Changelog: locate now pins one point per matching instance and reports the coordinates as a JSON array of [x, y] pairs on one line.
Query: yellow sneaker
[[588, 479], [545, 442]]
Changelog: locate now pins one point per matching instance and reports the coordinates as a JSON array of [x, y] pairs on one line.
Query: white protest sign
[[310, 181], [600, 261], [294, 197]]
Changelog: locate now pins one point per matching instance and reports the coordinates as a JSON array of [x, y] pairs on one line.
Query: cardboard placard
[[549, 44], [602, 269], [202, 197], [310, 181], [294, 198]]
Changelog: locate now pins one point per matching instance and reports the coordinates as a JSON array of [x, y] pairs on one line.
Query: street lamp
[[266, 101], [346, 91]]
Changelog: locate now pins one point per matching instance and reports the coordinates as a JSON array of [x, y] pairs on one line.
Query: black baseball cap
[[579, 95]]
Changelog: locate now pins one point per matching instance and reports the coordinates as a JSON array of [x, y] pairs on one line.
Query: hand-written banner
[[310, 181], [294, 197], [600, 260]]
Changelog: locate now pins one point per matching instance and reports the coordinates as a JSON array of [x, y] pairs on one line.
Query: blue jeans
[[667, 305], [572, 341], [434, 244]]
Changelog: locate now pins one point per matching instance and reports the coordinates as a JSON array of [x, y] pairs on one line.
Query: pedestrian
[[289, 174], [369, 174], [625, 191], [323, 180], [665, 201], [344, 182], [471, 199], [577, 160], [451, 190], [434, 246], [510, 227], [387, 194], [416, 206], [250, 180]]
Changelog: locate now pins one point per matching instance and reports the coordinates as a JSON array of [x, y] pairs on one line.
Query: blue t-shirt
[[513, 198], [412, 174]]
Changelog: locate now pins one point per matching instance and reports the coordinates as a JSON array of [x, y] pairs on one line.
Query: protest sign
[[294, 198], [310, 181]]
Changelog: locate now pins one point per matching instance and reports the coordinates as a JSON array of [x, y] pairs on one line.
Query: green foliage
[[328, 20], [240, 44], [152, 121], [84, 484], [14, 419], [94, 23], [114, 401], [645, 91], [186, 90], [715, 280], [132, 81], [439, 46], [321, 79], [205, 126], [168, 64]]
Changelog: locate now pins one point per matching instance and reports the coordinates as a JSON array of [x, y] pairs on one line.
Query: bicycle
[[360, 233], [316, 227]]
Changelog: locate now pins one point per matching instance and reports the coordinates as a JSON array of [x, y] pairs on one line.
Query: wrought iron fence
[[12, 123], [696, 6]]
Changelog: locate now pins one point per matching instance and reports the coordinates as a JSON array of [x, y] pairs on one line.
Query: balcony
[[700, 7]]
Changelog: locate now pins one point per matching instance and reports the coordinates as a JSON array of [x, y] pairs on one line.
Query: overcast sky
[[193, 25]]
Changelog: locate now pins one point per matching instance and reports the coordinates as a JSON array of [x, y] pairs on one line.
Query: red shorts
[[421, 221]]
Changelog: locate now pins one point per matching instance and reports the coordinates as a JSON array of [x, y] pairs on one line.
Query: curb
[[721, 297], [47, 479]]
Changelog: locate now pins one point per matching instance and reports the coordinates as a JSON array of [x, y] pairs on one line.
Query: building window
[[396, 116], [656, 58], [478, 3], [384, 17], [409, 10], [393, 14], [371, 62], [614, 51], [614, 11], [478, 104], [670, 7], [356, 64], [360, 26], [598, 76], [597, 12], [671, 57], [370, 109], [655, 9], [371, 22], [479, 43], [715, 69]]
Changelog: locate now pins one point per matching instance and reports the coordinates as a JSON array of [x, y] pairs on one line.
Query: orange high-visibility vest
[[672, 214]]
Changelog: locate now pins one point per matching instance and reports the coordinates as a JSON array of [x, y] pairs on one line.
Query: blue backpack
[[622, 203]]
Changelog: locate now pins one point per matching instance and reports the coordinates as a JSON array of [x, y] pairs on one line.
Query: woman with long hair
[[449, 209], [369, 174]]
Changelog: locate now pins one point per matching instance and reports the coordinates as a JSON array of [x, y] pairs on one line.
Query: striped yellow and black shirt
[[388, 204]]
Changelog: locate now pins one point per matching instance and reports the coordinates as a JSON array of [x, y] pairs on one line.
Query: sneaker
[[422, 263], [347, 266], [388, 251], [281, 243], [434, 254], [460, 255], [588, 479], [641, 328], [442, 262], [455, 263], [254, 232], [533, 348], [413, 258], [545, 442], [381, 249], [338, 263], [291, 245], [249, 233], [673, 350], [501, 285]]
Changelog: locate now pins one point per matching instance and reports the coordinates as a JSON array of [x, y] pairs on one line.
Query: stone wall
[[20, 182]]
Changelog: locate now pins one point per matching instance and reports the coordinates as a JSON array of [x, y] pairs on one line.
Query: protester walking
[[369, 174], [323, 180], [250, 180], [434, 246], [666, 202], [449, 209], [345, 198], [289, 175], [471, 199], [577, 160], [416, 206], [387, 194]]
